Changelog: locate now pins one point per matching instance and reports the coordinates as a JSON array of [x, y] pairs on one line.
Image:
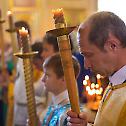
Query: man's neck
[[119, 76]]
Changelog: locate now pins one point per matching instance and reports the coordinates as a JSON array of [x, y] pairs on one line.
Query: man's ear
[[112, 44]]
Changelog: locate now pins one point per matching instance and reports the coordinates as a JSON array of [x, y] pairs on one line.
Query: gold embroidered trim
[[118, 86]]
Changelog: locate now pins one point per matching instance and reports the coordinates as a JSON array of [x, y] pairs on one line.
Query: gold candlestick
[[10, 110], [2, 44], [28, 73], [12, 31], [66, 58]]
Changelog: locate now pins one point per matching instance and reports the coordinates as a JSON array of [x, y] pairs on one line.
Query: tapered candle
[[13, 35], [98, 80], [2, 43], [24, 39], [28, 74], [66, 58], [88, 80], [10, 18], [0, 13]]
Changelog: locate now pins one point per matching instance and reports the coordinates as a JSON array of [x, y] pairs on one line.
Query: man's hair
[[51, 40], [103, 23], [37, 46], [54, 62]]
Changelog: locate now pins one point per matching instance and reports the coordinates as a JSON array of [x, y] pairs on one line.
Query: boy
[[55, 83], [50, 47]]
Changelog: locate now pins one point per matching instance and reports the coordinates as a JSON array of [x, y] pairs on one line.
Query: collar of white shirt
[[118, 77], [59, 98]]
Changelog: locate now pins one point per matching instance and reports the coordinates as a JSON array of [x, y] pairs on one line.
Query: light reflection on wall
[[116, 6]]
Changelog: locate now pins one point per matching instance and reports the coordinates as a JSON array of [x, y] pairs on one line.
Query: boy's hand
[[75, 119]]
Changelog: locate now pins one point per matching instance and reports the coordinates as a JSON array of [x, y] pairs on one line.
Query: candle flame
[[87, 88], [84, 82], [97, 85], [90, 92], [9, 12], [93, 91], [23, 30], [59, 10], [92, 85], [86, 77], [98, 76]]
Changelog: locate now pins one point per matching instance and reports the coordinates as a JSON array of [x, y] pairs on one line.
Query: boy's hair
[[37, 46], [55, 63], [51, 40]]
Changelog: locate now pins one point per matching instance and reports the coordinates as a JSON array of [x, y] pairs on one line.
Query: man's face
[[51, 81], [48, 50], [97, 60]]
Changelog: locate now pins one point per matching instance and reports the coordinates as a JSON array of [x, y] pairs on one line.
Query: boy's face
[[52, 82], [48, 50]]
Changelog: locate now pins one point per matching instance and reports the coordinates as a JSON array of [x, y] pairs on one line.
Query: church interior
[[24, 29]]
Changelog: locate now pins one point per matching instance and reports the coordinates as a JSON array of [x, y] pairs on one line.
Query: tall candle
[[58, 16], [10, 19], [2, 43], [28, 74], [66, 58], [24, 39], [98, 80], [13, 35], [88, 80], [0, 14]]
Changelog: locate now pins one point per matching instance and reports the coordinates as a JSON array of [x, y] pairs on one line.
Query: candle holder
[[2, 43], [27, 55], [12, 31], [61, 32]]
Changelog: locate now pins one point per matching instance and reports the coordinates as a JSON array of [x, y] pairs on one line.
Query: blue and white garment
[[56, 113]]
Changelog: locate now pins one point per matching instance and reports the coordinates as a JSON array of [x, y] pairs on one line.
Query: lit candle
[[28, 75], [10, 19], [13, 34], [23, 32], [98, 80], [24, 39], [92, 86], [88, 80], [66, 58], [59, 16], [0, 14], [2, 43], [84, 82], [58, 12], [97, 86]]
